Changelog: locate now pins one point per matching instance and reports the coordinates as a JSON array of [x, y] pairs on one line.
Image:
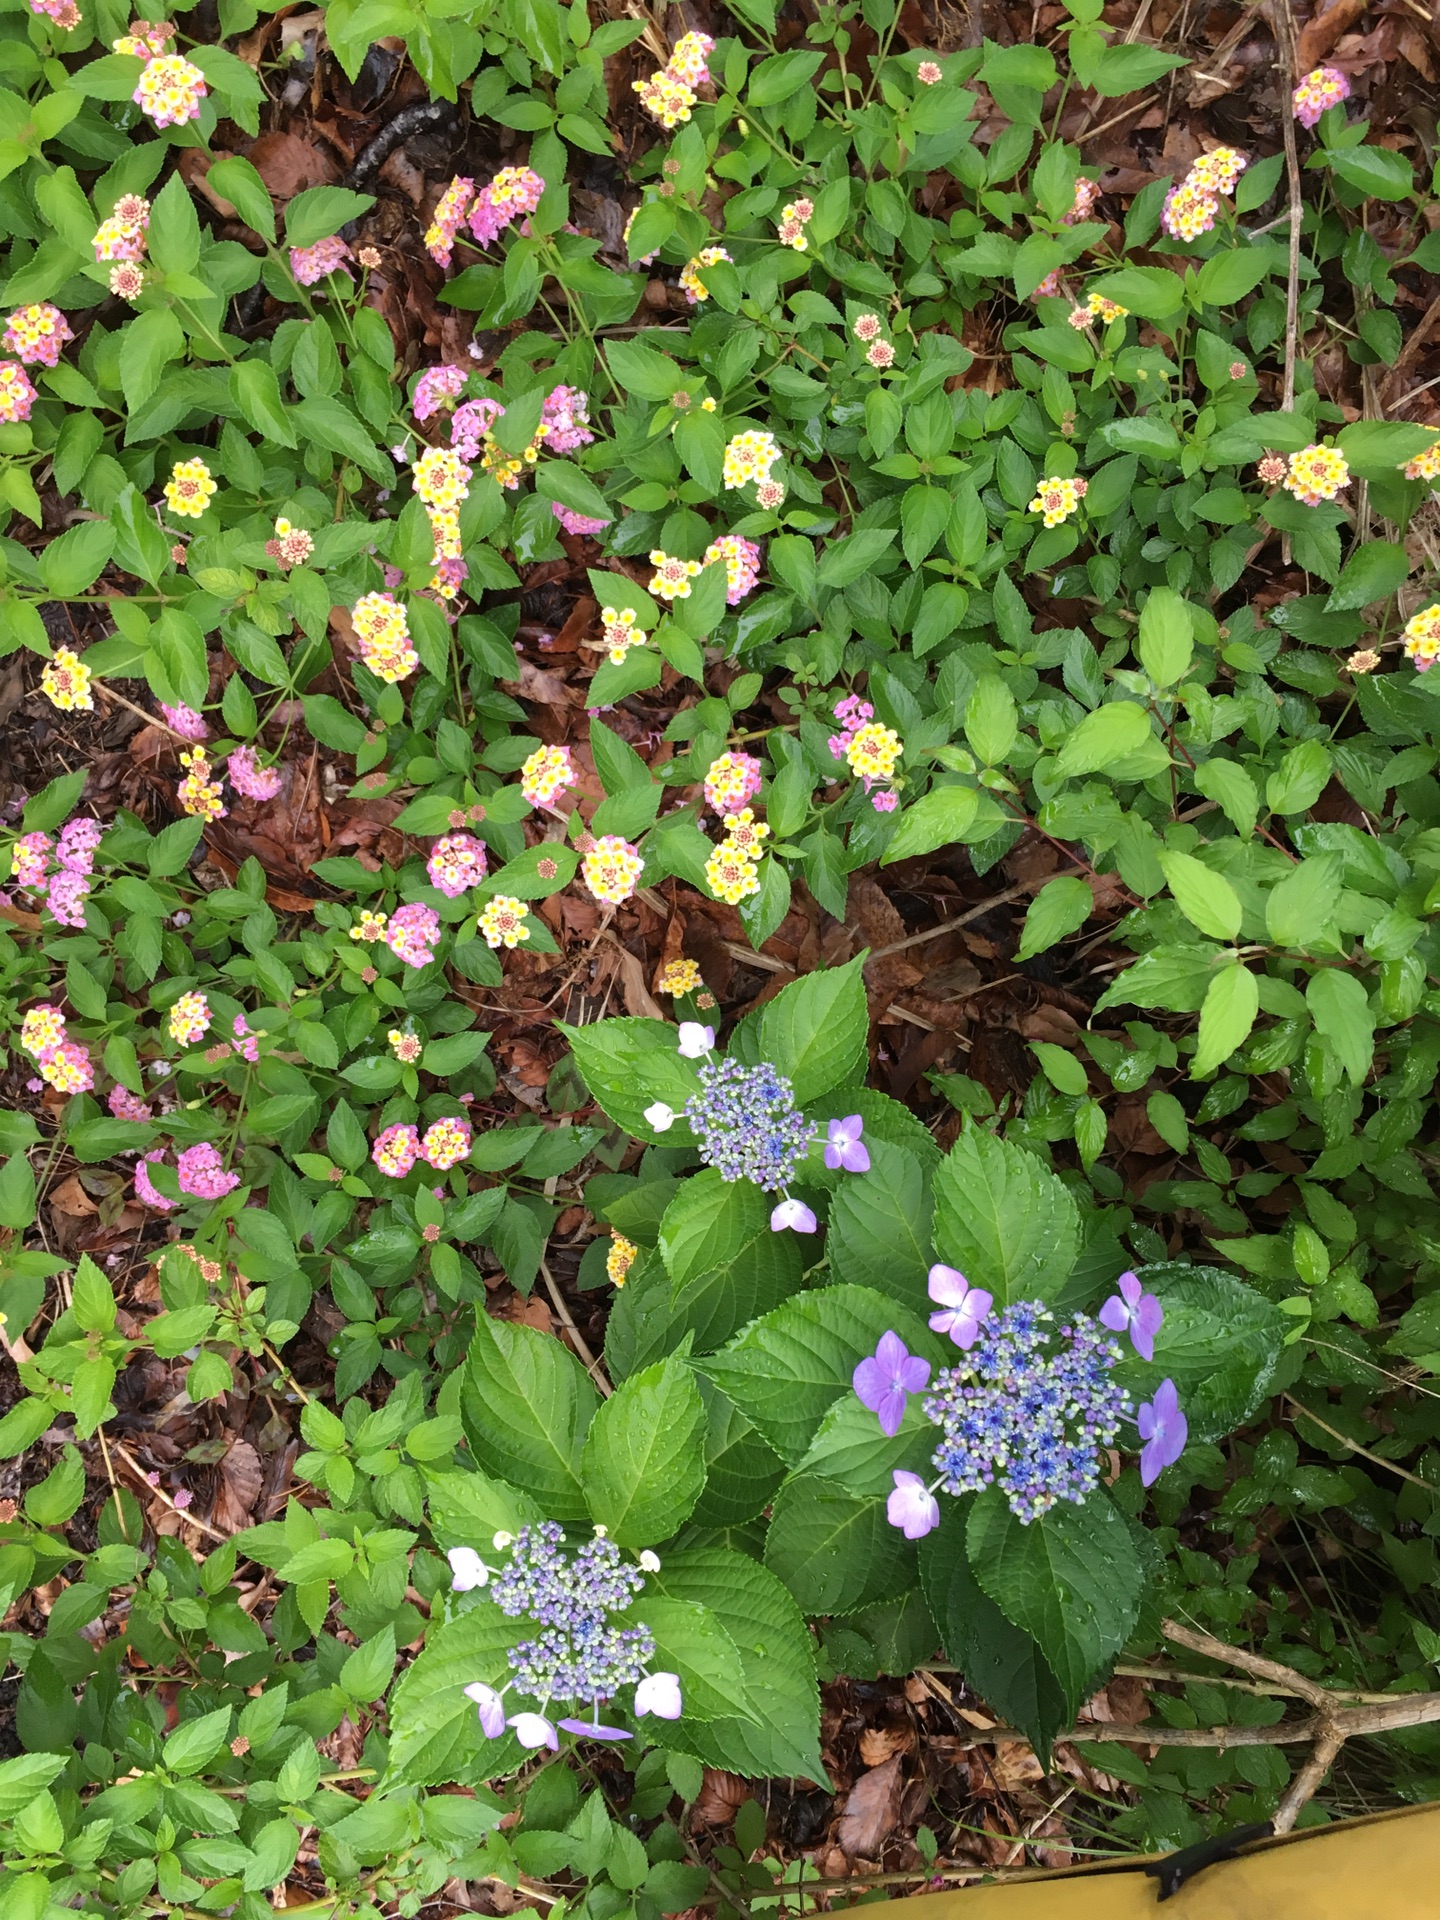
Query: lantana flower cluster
[[457, 862], [870, 750], [442, 1146], [1315, 474], [1192, 207], [548, 771], [611, 868], [65, 682], [742, 564], [63, 1063], [693, 286], [747, 1127], [317, 262], [620, 631], [190, 488], [442, 481], [1057, 497], [384, 635], [669, 94], [199, 1171], [579, 1656], [1031, 1405], [1322, 87], [170, 90], [794, 218], [199, 793], [17, 393], [36, 334], [512, 195], [1421, 638]]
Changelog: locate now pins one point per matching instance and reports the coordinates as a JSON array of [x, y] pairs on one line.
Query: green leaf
[[562, 480], [1103, 737], [1062, 906], [1373, 572], [785, 1370], [1228, 277], [1166, 636], [1220, 1342], [943, 817], [1343, 1018], [1004, 1665], [816, 1029], [17, 1193], [1301, 910], [1153, 292], [990, 719], [777, 1656], [1376, 171], [331, 424], [435, 1733], [877, 1234], [629, 1064], [1232, 790], [174, 232], [319, 212], [367, 1672], [1072, 1580], [256, 393], [644, 1461], [27, 1775], [195, 1743], [782, 76], [93, 1298], [1008, 1223], [237, 181], [1300, 779], [526, 1403], [1207, 899], [1232, 1001], [833, 1547], [692, 1641]]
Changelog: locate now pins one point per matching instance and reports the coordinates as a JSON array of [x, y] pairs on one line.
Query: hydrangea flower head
[[65, 682], [36, 334], [1322, 87], [1316, 474], [746, 1123]]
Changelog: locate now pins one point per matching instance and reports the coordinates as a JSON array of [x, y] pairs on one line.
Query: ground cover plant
[[718, 951]]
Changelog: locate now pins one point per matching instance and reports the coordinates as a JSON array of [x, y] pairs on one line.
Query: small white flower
[[660, 1117], [503, 1540], [659, 1693], [650, 1561], [492, 1708], [467, 1569], [695, 1039], [601, 1532]]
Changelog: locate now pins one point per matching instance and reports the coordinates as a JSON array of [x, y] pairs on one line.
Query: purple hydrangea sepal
[[794, 1214], [963, 1307], [659, 1693], [1141, 1312], [884, 1379], [492, 1708], [843, 1147], [912, 1507], [1164, 1429], [592, 1730], [534, 1730]]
